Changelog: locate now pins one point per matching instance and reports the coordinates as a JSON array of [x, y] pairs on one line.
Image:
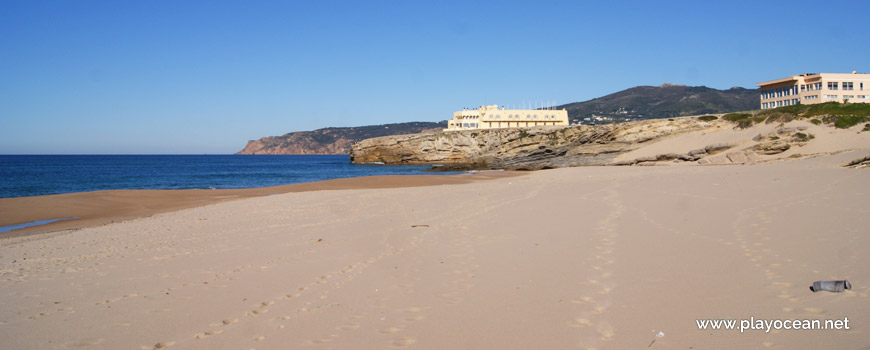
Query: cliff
[[332, 140]]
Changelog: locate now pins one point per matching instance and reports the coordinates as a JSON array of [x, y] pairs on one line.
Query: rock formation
[[526, 149], [651, 142]]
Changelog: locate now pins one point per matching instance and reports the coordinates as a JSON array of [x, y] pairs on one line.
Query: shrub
[[736, 117], [866, 127], [815, 121], [846, 121], [707, 118]]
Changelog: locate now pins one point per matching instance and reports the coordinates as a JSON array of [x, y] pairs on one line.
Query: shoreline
[[88, 209]]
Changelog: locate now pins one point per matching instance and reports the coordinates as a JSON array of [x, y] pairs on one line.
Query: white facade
[[812, 88], [493, 117]]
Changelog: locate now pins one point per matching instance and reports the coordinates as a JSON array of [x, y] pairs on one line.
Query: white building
[[812, 88], [493, 117]]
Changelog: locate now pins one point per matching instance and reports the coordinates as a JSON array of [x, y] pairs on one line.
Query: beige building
[[812, 88], [493, 117]]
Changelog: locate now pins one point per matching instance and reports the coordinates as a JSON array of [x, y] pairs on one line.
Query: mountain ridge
[[663, 101]]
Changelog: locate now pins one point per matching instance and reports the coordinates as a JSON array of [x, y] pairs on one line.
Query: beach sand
[[86, 209], [577, 258]]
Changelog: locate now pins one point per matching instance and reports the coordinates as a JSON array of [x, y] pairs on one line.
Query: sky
[[204, 77]]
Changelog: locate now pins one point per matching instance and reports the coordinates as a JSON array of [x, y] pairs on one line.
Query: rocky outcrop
[[332, 140], [528, 149], [859, 163], [691, 156], [295, 143]]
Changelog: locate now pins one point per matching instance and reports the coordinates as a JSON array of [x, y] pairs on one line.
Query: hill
[[665, 101], [332, 140], [637, 103]]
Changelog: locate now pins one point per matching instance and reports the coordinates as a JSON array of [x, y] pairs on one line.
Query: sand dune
[[597, 257]]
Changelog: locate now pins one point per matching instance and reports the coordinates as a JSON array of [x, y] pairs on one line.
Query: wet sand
[[102, 207]]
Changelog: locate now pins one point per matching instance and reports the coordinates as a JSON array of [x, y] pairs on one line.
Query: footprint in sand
[[414, 318], [583, 300], [404, 341], [163, 345], [579, 323], [605, 330], [390, 330], [224, 322], [206, 334], [256, 312]]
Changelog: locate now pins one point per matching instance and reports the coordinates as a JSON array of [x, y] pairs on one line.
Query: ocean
[[36, 175]]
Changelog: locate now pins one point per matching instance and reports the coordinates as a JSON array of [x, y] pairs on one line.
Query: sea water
[[35, 175]]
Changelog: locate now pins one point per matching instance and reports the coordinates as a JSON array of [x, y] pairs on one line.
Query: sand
[[96, 208], [576, 258]]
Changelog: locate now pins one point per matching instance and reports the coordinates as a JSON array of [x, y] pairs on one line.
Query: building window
[[528, 116], [848, 85], [803, 87], [811, 97], [833, 85], [862, 86], [848, 96], [796, 101], [764, 105], [831, 96]]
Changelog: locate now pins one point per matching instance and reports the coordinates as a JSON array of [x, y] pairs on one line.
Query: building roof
[[777, 81], [807, 77]]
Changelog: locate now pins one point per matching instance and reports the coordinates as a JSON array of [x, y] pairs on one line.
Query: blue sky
[[165, 77]]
